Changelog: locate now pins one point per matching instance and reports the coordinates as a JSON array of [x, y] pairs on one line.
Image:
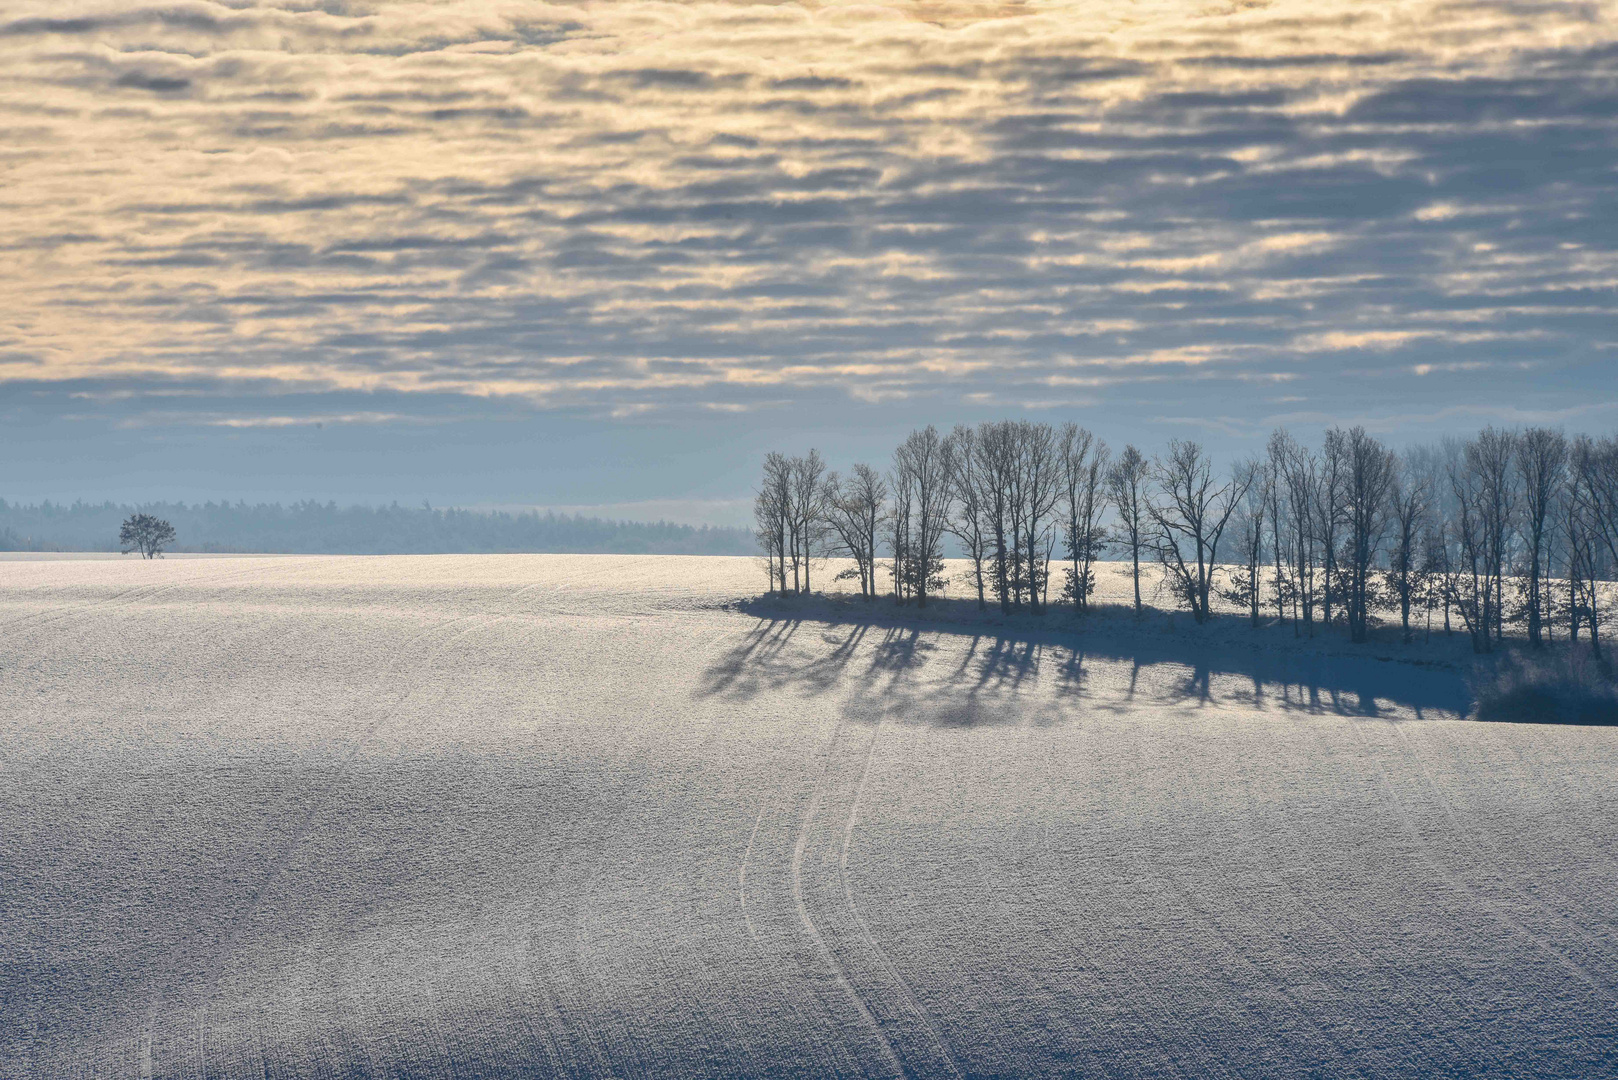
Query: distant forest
[[312, 528]]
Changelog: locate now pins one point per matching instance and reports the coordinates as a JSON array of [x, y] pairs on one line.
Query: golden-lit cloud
[[614, 206]]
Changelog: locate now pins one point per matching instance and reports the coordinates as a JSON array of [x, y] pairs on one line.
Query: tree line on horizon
[[1507, 528]]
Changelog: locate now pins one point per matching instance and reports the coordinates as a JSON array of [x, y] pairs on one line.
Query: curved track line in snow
[[1209, 1062], [41, 619], [1503, 918], [1576, 777], [798, 850], [950, 1066], [1324, 907], [131, 596], [741, 875], [1233, 954], [1491, 859], [746, 857], [317, 801], [1161, 1012]]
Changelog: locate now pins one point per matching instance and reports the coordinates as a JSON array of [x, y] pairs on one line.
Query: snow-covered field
[[491, 816]]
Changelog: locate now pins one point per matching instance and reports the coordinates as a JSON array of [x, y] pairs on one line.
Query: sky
[[605, 254]]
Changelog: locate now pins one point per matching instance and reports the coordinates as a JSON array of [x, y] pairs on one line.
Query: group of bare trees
[[1015, 496], [1507, 529], [1475, 529]]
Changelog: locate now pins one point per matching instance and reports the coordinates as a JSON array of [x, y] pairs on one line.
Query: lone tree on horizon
[[146, 534]]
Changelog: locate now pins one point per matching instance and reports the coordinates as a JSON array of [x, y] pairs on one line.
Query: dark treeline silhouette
[[326, 528], [1506, 530]]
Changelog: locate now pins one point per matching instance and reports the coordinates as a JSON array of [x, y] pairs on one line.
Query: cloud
[[630, 207], [158, 84]]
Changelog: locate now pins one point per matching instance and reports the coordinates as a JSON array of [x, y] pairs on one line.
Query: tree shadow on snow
[[952, 666]]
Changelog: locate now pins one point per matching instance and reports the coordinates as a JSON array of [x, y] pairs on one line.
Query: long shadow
[[876, 651]]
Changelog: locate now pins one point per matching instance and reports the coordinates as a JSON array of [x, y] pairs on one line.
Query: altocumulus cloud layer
[[1228, 214]]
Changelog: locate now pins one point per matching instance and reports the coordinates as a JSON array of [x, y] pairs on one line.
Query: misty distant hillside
[[312, 528]]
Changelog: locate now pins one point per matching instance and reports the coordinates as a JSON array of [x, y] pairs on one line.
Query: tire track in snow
[[318, 800], [1570, 776], [725, 634], [776, 994], [783, 972], [131, 597], [839, 973], [1042, 886], [1235, 958], [741, 875], [39, 620], [628, 1040], [547, 1004], [569, 982], [53, 616], [716, 1025], [1105, 947], [1436, 863], [617, 1041], [1491, 859], [181, 946], [919, 1016], [1325, 910]]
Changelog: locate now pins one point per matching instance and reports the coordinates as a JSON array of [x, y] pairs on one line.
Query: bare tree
[[1542, 460], [1298, 471], [146, 534], [972, 520], [1596, 470], [771, 515], [1282, 591], [923, 468], [766, 531], [1190, 516], [1083, 460], [1126, 485], [1018, 565], [1408, 507], [1330, 513], [995, 454], [1481, 483], [1437, 572], [1367, 470], [1578, 538], [1444, 550], [1246, 581], [808, 512], [902, 484], [1038, 488], [1351, 528], [854, 510]]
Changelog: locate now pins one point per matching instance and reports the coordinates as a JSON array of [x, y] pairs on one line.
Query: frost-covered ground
[[578, 815]]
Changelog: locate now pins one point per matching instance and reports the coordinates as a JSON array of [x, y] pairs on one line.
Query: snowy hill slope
[[494, 816]]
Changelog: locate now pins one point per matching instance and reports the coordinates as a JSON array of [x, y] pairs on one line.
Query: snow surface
[[488, 816]]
